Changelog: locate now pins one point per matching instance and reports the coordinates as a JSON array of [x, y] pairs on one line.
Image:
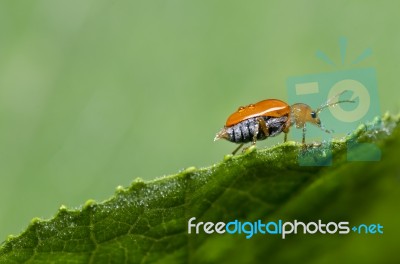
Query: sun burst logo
[[314, 89]]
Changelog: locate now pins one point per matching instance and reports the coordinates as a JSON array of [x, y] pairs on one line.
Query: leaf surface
[[148, 221]]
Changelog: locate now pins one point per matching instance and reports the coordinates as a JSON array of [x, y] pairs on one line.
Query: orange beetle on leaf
[[269, 118]]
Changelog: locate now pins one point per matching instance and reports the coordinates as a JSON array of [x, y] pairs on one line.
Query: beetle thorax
[[300, 114]]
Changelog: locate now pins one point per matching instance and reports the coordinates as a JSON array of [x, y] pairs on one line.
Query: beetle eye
[[313, 115]]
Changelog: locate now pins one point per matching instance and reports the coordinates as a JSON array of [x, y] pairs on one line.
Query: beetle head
[[302, 113]]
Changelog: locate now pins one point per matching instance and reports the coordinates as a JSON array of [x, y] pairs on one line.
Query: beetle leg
[[286, 131], [237, 149], [263, 125], [304, 135], [256, 128]]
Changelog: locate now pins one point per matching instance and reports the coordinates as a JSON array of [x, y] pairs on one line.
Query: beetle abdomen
[[244, 131]]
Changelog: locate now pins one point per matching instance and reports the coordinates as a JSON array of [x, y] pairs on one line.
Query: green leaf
[[147, 222]]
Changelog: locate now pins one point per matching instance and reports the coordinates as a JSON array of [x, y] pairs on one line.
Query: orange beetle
[[269, 118]]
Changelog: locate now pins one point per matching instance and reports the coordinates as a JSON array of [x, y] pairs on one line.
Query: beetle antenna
[[329, 103]]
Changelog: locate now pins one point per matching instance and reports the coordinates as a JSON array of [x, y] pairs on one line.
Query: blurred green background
[[96, 93]]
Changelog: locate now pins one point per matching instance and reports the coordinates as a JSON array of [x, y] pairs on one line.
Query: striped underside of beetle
[[244, 131]]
